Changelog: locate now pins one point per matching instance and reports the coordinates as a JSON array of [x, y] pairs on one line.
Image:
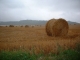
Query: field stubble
[[35, 39]]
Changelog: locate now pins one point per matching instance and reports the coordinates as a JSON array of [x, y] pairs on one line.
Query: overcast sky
[[15, 10]]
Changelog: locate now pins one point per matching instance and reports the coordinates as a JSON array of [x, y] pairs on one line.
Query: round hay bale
[[49, 25], [57, 27], [11, 25], [26, 26]]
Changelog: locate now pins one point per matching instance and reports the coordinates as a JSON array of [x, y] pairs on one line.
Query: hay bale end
[[57, 27]]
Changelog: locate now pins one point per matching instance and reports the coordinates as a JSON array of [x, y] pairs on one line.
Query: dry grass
[[36, 39]]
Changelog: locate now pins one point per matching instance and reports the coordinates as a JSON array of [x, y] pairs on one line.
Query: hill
[[29, 22]]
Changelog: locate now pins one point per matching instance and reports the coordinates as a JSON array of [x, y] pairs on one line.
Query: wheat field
[[35, 39]]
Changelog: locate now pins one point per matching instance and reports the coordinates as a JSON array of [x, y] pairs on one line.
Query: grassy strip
[[22, 55], [68, 55], [19, 55]]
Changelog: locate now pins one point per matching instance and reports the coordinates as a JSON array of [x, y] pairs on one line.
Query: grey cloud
[[74, 16], [39, 9], [60, 5], [68, 5], [12, 3]]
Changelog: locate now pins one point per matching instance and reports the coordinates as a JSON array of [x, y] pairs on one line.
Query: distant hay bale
[[21, 26], [57, 27], [1, 26], [26, 25], [11, 25], [32, 26], [6, 26]]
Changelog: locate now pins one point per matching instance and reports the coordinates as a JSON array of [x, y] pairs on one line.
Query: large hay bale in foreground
[[57, 27]]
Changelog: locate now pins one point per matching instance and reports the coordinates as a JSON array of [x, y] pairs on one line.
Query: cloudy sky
[[15, 10]]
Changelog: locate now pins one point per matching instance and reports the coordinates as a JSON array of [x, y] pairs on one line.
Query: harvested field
[[36, 39]]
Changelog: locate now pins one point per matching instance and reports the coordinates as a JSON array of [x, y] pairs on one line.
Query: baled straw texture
[[57, 27]]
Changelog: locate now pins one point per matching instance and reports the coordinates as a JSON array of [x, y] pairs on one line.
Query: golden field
[[35, 39]]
